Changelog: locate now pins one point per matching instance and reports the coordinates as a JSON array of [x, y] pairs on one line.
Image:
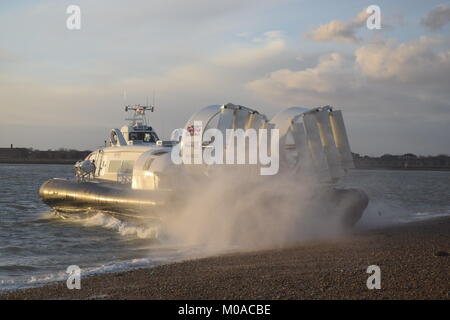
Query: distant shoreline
[[35, 161], [30, 156], [406, 161], [405, 169], [72, 162]]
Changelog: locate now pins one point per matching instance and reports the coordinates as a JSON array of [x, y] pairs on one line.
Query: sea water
[[37, 244]]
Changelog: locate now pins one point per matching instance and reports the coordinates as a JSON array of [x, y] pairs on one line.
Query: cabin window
[[143, 136], [148, 137], [127, 166], [148, 163], [134, 136], [159, 153], [114, 166]]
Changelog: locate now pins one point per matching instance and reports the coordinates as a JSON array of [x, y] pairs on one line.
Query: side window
[[148, 163], [148, 137], [134, 136], [114, 166], [127, 166]]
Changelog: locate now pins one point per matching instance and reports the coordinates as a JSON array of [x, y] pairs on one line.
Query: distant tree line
[[29, 155], [405, 161], [386, 161]]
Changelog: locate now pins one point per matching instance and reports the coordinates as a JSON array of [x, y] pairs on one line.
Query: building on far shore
[[405, 162], [14, 153]]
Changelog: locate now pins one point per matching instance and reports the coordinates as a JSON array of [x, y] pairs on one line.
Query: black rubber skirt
[[68, 195], [347, 205]]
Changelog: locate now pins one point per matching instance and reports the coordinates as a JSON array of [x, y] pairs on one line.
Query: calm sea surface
[[37, 245]]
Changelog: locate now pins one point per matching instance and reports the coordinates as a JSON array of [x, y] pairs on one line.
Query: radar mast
[[138, 119]]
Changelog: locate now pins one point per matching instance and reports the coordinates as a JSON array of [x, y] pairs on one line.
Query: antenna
[[124, 95], [139, 113], [161, 118]]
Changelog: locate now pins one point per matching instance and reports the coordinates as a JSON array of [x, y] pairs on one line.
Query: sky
[[62, 88]]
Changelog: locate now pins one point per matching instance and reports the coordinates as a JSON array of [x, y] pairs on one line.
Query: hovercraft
[[138, 172]]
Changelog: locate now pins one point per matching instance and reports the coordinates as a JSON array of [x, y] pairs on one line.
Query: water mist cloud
[[235, 211]]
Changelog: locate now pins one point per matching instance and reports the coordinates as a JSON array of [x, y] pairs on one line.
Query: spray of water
[[232, 209], [229, 211], [148, 229]]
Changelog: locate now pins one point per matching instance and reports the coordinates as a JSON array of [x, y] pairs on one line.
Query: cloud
[[407, 62], [195, 53], [180, 91], [271, 44], [148, 37], [324, 77], [339, 31], [423, 63], [389, 91], [437, 18], [227, 69], [6, 56]]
